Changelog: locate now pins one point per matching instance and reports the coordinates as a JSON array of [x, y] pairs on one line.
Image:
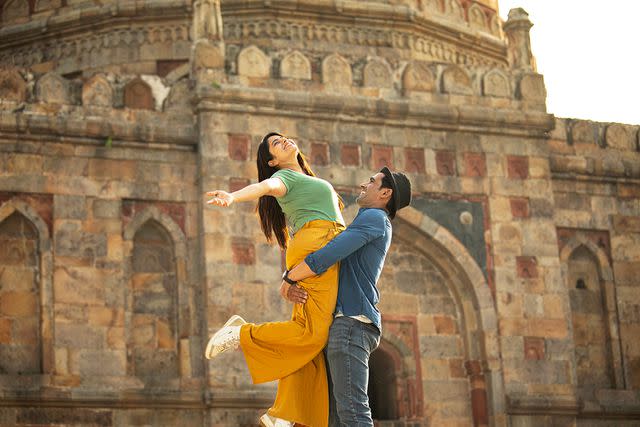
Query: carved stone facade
[[509, 297]]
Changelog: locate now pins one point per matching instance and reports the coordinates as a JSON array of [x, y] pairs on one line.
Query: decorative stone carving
[[13, 88], [53, 89], [47, 5], [583, 132], [517, 29], [295, 66], [377, 73], [453, 10], [618, 137], [138, 95], [417, 77], [336, 72], [252, 62], [110, 42], [207, 20], [431, 6], [179, 97], [15, 10], [97, 91], [456, 81], [477, 18], [496, 83], [208, 55], [532, 88], [495, 25]]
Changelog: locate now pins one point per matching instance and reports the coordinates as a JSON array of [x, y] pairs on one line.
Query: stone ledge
[[138, 399], [147, 127], [69, 19], [542, 405], [229, 99]]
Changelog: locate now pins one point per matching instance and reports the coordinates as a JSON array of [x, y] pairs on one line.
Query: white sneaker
[[268, 421], [227, 337]]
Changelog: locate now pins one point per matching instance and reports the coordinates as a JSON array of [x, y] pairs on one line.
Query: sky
[[587, 52]]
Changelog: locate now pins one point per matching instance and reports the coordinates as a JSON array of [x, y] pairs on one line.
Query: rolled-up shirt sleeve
[[367, 226]]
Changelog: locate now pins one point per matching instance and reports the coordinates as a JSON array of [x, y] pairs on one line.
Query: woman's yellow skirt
[[291, 352]]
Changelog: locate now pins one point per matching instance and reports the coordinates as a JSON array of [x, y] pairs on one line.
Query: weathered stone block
[[532, 88], [252, 62], [295, 65], [106, 209], [414, 160], [417, 77], [97, 91], [533, 348], [208, 55], [319, 154], [101, 363], [53, 88], [517, 167], [336, 73], [79, 336], [13, 88], [519, 207], [381, 156], [456, 81], [496, 83], [377, 73], [18, 304], [138, 95], [243, 251], [239, 146], [475, 165], [445, 325], [69, 207], [445, 163], [350, 155]]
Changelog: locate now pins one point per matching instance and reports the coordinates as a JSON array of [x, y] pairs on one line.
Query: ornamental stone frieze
[[325, 37], [101, 48]]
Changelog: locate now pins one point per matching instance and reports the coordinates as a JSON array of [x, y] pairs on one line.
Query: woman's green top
[[308, 198]]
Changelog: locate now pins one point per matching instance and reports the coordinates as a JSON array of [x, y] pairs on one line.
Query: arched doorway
[[438, 313]]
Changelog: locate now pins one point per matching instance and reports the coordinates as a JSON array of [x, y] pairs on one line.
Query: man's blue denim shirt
[[361, 248]]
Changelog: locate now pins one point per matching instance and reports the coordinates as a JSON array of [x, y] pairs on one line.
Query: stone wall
[[509, 295]]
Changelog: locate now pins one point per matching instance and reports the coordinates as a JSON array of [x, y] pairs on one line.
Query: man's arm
[[367, 226]]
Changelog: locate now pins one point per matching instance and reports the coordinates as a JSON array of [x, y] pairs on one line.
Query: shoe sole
[[234, 320]]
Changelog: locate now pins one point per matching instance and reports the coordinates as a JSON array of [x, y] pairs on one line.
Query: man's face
[[372, 194]]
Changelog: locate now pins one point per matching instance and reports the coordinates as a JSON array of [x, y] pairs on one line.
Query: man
[[356, 329]]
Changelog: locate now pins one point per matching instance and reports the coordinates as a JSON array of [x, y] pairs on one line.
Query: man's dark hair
[[386, 183]]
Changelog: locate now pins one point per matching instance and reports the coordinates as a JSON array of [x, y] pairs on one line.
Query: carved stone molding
[[239, 31], [94, 45]]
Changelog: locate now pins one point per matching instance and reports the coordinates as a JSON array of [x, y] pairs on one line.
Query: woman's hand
[[220, 198]]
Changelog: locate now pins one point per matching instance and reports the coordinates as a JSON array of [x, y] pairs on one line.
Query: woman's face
[[282, 150]]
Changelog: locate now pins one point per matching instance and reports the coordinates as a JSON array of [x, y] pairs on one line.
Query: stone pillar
[[208, 52], [517, 30], [478, 393]]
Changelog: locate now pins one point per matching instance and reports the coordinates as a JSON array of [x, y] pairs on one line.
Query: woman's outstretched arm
[[269, 187]]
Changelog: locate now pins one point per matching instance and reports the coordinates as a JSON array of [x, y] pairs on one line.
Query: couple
[[345, 315]]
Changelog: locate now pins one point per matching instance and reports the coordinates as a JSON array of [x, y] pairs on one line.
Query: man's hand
[[293, 293]]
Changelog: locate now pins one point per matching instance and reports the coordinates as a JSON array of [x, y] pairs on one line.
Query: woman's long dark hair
[[272, 218]]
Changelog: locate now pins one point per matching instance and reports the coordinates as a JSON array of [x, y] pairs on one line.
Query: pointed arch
[[183, 299], [44, 264], [477, 313], [609, 301]]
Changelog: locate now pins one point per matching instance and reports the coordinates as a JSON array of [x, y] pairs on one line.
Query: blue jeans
[[350, 344]]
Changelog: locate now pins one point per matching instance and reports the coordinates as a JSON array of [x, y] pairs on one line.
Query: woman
[[291, 351]]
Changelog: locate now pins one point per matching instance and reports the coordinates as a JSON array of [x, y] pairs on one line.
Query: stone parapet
[[442, 115], [593, 149]]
